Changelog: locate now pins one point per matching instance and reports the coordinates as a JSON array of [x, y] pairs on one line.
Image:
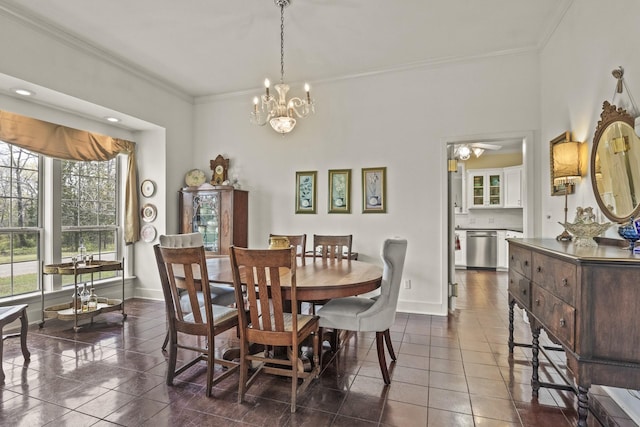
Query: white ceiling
[[209, 47]]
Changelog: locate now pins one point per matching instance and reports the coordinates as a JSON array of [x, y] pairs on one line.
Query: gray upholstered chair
[[362, 314], [220, 294]]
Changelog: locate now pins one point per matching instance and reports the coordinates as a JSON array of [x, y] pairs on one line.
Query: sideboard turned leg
[[583, 406], [511, 304], [535, 348]]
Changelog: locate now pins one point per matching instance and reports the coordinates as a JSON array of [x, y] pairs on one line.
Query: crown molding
[[427, 64], [553, 26], [22, 16]]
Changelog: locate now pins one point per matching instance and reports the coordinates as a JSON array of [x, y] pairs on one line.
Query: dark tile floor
[[451, 371]]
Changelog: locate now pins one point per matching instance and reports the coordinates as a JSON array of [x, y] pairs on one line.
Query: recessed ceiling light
[[23, 92], [112, 119]]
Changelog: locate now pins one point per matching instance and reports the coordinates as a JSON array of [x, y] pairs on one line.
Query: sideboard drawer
[[556, 316], [520, 260], [557, 276], [520, 289]]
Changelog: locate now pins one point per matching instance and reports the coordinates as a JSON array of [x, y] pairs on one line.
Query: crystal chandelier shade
[[279, 112]]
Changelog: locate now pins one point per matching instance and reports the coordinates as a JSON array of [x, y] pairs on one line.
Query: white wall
[[575, 78], [594, 38], [397, 120], [163, 118]]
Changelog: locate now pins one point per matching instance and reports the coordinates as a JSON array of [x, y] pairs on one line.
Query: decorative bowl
[[584, 232]]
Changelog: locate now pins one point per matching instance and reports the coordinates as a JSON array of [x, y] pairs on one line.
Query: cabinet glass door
[[206, 216], [478, 190], [494, 189]]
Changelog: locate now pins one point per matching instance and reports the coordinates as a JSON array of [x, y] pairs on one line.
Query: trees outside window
[[90, 210], [19, 224], [89, 215]]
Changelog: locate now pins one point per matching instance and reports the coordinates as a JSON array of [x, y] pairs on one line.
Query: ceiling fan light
[[478, 151], [464, 152]]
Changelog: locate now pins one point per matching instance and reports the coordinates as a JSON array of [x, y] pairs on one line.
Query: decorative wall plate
[[149, 212], [148, 233], [195, 178], [147, 188]]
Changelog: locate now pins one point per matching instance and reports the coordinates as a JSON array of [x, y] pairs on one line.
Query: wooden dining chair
[[298, 241], [332, 247], [220, 294], [362, 314], [183, 275], [266, 322]]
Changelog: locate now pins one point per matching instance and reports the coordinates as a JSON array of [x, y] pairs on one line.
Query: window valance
[[66, 143]]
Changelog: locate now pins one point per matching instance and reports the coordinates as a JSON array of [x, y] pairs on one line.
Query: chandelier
[[280, 113]]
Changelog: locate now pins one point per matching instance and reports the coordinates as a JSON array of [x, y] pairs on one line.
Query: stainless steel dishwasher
[[482, 249]]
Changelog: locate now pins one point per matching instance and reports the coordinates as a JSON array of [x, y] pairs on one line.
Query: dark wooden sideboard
[[588, 302]]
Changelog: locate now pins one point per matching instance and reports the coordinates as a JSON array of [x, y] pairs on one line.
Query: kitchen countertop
[[519, 230]]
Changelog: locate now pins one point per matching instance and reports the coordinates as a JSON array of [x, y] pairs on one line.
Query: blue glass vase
[[629, 232]]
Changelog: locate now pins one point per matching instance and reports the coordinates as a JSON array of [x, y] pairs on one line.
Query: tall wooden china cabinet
[[219, 213]]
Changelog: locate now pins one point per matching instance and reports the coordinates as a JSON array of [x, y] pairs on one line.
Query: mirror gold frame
[[615, 164]]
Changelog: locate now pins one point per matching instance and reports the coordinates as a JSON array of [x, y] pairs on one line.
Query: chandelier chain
[[282, 43]]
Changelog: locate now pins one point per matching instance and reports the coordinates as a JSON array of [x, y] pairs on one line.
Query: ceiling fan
[[463, 151]]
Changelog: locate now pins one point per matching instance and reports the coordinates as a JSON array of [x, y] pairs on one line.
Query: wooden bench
[[7, 315]]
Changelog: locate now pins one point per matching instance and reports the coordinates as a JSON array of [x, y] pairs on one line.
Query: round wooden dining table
[[318, 280]]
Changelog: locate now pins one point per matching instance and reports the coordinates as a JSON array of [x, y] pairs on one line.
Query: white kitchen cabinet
[[503, 250], [503, 247], [484, 188], [461, 254], [512, 186]]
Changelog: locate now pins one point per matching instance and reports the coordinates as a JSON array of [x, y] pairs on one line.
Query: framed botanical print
[[339, 191], [374, 190], [306, 192]]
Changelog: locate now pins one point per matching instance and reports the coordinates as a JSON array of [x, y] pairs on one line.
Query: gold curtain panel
[[66, 143]]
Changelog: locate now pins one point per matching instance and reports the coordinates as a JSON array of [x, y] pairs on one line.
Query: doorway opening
[[489, 183]]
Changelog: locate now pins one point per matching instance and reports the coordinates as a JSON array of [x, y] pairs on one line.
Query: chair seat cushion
[[220, 295], [220, 314], [303, 320], [342, 313]]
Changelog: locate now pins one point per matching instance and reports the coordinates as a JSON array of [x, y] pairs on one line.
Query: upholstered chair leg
[[387, 339], [381, 358]]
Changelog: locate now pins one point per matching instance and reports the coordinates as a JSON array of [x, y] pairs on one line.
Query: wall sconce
[[568, 166]]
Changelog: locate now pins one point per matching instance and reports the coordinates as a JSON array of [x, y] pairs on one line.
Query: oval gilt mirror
[[615, 164]]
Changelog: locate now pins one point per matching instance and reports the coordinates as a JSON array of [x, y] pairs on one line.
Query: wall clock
[[219, 166]]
